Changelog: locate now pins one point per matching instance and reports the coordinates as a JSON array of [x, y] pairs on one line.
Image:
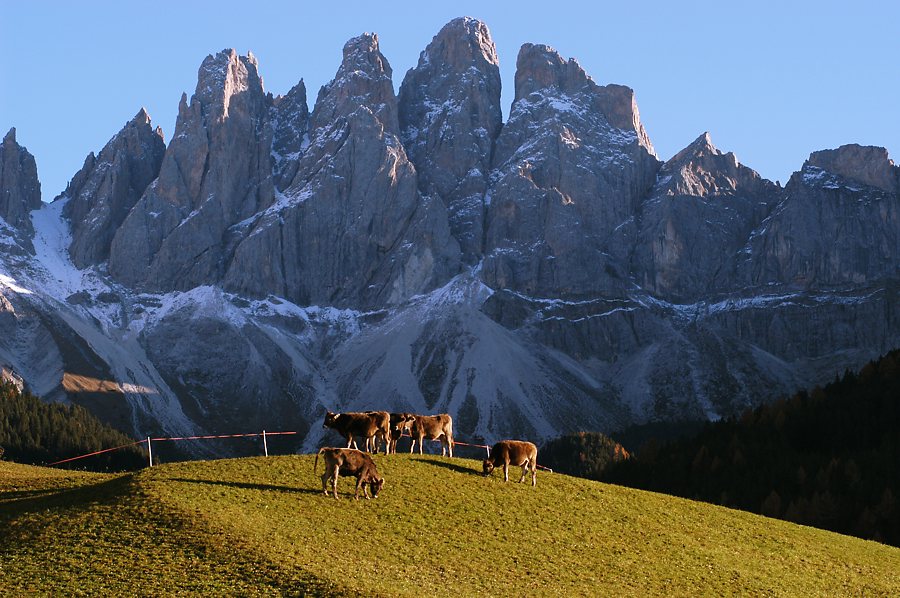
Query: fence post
[[488, 451], [265, 446], [149, 452]]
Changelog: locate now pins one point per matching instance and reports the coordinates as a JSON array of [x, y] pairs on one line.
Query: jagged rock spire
[[450, 116], [103, 192], [216, 171], [20, 189]]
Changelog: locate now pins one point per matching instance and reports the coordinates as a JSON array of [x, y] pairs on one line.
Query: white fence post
[[149, 452], [488, 451], [265, 446]]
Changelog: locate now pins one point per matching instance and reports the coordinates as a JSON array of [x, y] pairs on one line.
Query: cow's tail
[[316, 462]]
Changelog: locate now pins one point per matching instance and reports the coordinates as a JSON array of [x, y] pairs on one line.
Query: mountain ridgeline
[[412, 251]]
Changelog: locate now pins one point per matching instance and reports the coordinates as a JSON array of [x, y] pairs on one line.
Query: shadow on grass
[[250, 486], [447, 465]]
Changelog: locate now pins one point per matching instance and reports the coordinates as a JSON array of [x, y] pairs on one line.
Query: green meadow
[[260, 526]]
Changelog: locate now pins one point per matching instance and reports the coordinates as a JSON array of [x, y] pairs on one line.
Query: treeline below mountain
[[828, 458], [35, 432]]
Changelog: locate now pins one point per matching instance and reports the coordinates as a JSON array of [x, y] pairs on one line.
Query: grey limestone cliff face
[[107, 187], [217, 171], [450, 117], [697, 218], [352, 228], [290, 118], [838, 224], [20, 189], [570, 167]]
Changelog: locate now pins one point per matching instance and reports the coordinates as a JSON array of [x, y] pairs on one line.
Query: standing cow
[[382, 430], [349, 462], [519, 453], [433, 427], [400, 423], [366, 425]]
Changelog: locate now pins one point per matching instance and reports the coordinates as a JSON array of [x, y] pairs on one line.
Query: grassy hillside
[[261, 526]]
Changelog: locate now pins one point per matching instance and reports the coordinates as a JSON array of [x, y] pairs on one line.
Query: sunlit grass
[[262, 526]]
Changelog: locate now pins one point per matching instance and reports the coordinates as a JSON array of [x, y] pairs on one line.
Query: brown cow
[[513, 452], [400, 423], [383, 431], [433, 427], [349, 462], [349, 425]]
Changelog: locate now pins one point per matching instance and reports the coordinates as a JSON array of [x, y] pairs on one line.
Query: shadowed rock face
[[570, 167], [352, 228], [216, 172], [107, 187], [838, 224], [696, 220], [20, 190], [449, 117]]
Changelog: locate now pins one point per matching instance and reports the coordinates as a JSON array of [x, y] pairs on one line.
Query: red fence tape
[[219, 436], [97, 453]]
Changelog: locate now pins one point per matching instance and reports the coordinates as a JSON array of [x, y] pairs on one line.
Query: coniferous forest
[[828, 458], [35, 432]]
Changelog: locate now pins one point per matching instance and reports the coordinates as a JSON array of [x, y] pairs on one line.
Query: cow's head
[[376, 486], [487, 466], [329, 419]]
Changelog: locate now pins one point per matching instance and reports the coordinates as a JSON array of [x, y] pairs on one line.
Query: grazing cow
[[349, 425], [433, 427], [513, 452], [349, 462], [400, 423]]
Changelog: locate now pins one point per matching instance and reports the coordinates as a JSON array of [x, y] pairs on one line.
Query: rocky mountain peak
[[539, 66], [107, 187], [460, 44], [362, 80], [227, 74], [869, 165], [290, 120], [450, 117], [20, 190], [702, 170]]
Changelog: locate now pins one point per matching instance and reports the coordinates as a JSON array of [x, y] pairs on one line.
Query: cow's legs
[[534, 472], [506, 472], [524, 471], [337, 469], [326, 477], [421, 442]]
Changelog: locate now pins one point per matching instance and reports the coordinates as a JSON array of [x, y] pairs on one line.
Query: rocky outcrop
[[696, 219], [838, 224], [216, 172], [101, 194], [450, 115], [570, 166], [20, 190], [290, 118], [352, 228]]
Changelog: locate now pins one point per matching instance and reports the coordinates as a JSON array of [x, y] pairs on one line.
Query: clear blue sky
[[770, 81]]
